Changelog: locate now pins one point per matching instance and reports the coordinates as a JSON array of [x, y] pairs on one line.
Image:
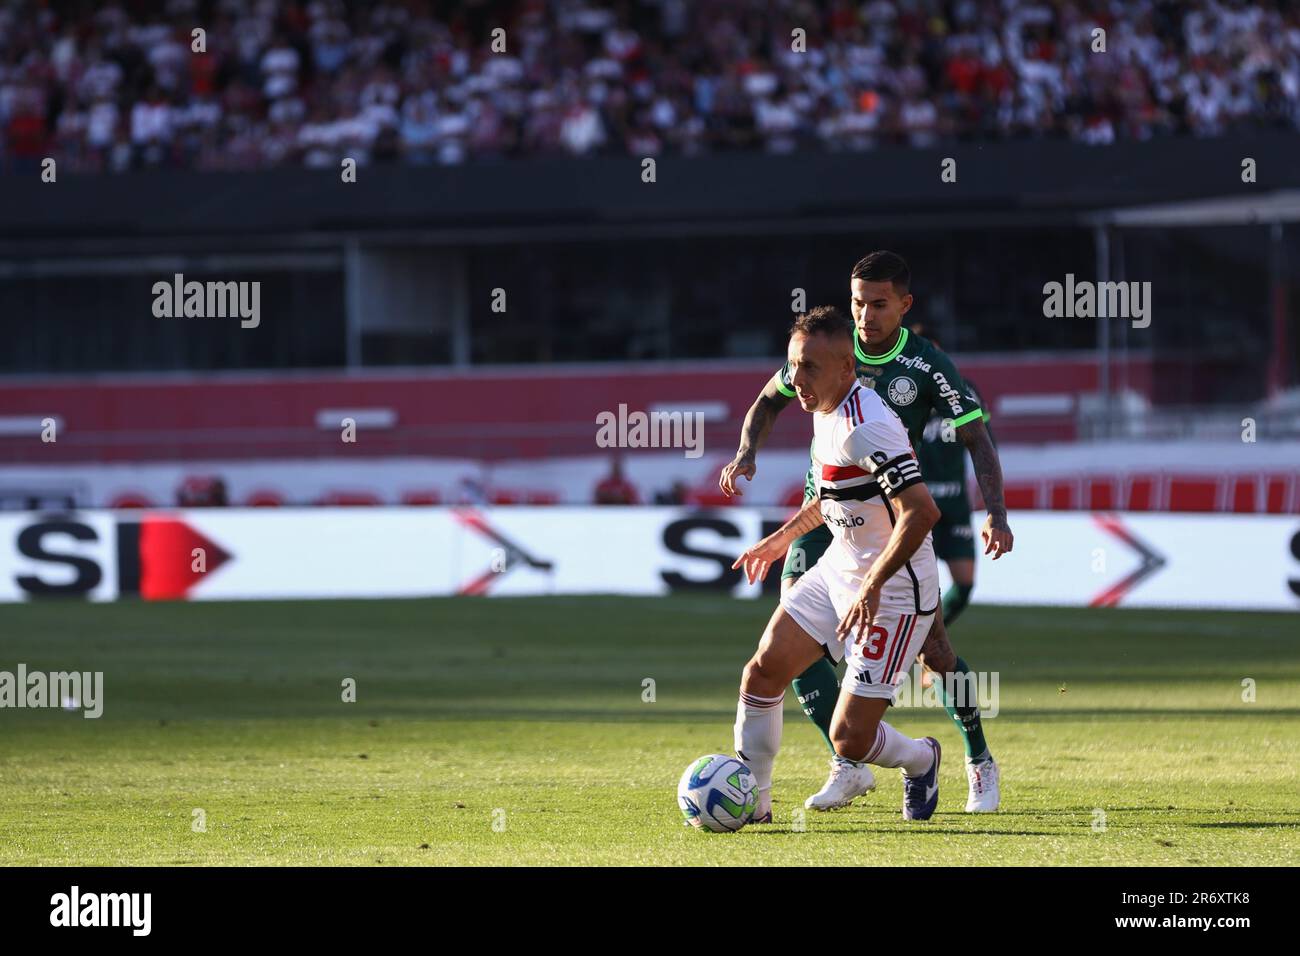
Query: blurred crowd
[[117, 85]]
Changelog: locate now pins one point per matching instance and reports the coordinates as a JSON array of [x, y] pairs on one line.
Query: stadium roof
[[1279, 206], [893, 188]]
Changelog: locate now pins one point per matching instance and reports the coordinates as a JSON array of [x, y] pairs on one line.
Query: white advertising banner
[[1063, 558], [54, 555], [1147, 560]]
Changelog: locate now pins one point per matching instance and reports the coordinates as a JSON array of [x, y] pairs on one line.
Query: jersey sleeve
[[953, 398], [881, 448], [984, 409], [782, 381]]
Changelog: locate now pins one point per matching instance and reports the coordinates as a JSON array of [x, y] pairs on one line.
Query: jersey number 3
[[873, 648]]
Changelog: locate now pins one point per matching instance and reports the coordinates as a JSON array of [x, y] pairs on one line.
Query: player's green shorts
[[954, 538], [805, 551]]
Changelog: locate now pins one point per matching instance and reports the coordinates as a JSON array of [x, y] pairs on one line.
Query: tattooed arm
[[757, 560], [758, 425], [996, 533]]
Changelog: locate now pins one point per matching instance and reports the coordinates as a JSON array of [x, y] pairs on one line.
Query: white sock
[[894, 749], [758, 736]]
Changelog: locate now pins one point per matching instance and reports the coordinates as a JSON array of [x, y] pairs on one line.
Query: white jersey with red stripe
[[862, 459]]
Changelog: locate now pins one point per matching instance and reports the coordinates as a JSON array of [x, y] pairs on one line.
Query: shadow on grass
[[647, 714], [693, 715], [1163, 808], [920, 830], [1245, 825]]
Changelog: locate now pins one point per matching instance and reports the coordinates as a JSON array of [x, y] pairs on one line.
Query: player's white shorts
[[878, 660]]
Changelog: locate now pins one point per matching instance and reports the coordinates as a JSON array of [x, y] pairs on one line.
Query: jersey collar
[[847, 395], [880, 359]]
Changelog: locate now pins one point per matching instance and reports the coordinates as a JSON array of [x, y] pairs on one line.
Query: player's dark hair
[[823, 320], [884, 266]]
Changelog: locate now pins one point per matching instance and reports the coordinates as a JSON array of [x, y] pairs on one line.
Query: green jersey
[[943, 460], [916, 379]]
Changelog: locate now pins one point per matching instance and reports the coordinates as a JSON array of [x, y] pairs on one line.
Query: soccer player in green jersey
[[943, 466], [916, 380]]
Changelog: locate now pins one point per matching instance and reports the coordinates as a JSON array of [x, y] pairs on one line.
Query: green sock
[[967, 716], [818, 689], [955, 600]]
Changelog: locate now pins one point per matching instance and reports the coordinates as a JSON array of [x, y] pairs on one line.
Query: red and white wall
[[1184, 476], [505, 414], [528, 436]]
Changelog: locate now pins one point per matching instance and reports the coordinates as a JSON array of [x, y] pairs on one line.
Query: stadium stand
[[677, 301], [112, 87]]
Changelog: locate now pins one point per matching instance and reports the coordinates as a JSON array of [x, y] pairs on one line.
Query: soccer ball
[[717, 793]]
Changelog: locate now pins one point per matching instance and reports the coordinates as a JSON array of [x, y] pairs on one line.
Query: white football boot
[[763, 808], [985, 795], [847, 781]]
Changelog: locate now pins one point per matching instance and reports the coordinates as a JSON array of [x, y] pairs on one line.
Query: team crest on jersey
[[902, 391]]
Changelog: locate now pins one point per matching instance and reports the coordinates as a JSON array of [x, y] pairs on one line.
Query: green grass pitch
[[514, 731]]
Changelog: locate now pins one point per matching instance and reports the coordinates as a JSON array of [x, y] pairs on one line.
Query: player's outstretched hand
[[997, 537], [742, 466], [760, 558], [861, 614]]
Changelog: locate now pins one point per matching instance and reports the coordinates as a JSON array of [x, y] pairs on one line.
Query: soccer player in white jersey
[[870, 598]]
